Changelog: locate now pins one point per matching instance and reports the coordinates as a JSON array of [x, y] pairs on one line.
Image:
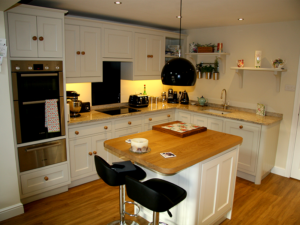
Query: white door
[[22, 35], [117, 44], [296, 159], [98, 146], [72, 49], [50, 37], [91, 64]]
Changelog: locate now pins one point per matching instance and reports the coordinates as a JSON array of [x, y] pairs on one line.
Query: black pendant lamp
[[179, 71]]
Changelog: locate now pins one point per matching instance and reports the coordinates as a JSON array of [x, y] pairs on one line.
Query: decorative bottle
[[257, 59], [145, 93]]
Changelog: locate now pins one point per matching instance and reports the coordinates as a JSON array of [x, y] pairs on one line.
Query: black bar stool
[[155, 194], [113, 178]]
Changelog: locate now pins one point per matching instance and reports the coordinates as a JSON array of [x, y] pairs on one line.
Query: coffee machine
[[74, 103], [172, 96]]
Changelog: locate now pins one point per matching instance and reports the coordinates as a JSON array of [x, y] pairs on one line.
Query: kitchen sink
[[117, 110], [216, 111]]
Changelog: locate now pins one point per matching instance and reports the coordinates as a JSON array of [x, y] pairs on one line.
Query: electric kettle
[[184, 98]]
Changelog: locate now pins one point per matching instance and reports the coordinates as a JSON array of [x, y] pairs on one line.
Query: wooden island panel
[[189, 150]]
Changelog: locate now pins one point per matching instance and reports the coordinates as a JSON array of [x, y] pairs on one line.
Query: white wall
[[9, 188], [275, 40]]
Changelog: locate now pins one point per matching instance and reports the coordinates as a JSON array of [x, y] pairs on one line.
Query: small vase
[[207, 75], [216, 76]]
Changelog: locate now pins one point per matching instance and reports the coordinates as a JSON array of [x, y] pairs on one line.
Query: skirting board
[[11, 211], [279, 171], [83, 180]]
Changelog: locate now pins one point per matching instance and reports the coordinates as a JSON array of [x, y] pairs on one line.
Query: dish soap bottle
[[145, 93]]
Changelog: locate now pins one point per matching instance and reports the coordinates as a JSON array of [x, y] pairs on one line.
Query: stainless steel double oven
[[33, 83]]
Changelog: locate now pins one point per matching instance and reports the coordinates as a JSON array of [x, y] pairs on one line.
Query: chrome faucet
[[225, 101]]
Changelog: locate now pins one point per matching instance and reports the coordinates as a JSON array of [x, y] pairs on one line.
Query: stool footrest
[[135, 215]]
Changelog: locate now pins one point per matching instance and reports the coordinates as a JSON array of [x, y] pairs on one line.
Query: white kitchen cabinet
[[249, 148], [215, 124], [83, 54], [199, 120], [35, 36], [149, 56], [183, 117], [152, 119], [118, 44]]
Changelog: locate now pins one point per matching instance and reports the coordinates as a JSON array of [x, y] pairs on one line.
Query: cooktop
[[117, 110]]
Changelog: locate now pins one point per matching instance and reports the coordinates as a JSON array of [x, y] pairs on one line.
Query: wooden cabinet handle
[[46, 178], [168, 116], [149, 56], [78, 53], [76, 132], [83, 53], [41, 38], [105, 127], [241, 127], [95, 152], [129, 122], [34, 38], [150, 119], [90, 153]]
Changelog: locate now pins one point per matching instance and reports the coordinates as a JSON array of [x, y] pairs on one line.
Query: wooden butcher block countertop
[[188, 150]]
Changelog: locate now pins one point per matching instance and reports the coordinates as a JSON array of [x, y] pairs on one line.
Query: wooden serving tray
[[175, 133]]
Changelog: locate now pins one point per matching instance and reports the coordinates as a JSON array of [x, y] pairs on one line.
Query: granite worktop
[[235, 113]]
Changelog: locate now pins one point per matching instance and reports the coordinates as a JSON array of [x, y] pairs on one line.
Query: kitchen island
[[205, 166]]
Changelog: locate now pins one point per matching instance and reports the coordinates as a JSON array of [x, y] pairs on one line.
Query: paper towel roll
[[139, 145]]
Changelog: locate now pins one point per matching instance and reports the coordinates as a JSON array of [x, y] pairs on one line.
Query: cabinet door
[[128, 131], [184, 117], [217, 187], [50, 37], [91, 64], [148, 54], [81, 156], [249, 148], [118, 44], [200, 121], [72, 50], [98, 146], [22, 32], [215, 124]]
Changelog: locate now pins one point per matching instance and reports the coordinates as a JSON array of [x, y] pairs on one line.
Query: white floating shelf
[[220, 55], [171, 56], [277, 72]]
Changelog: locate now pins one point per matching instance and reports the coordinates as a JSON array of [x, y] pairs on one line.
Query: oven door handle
[[40, 75], [42, 147], [35, 102]]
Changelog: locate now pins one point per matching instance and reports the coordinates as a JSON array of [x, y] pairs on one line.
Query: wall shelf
[[277, 73], [220, 55], [171, 56]]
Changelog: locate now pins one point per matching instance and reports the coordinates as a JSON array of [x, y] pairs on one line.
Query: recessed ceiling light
[[240, 18], [178, 17], [118, 3]]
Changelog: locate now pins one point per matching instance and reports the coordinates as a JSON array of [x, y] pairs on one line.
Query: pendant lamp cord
[[180, 29]]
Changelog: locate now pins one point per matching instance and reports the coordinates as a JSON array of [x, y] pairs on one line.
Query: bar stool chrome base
[[125, 222]]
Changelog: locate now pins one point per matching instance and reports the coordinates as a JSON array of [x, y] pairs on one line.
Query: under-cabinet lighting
[[178, 17], [240, 19], [118, 3]]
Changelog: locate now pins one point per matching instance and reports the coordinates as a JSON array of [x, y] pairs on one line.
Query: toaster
[[138, 100], [85, 107]]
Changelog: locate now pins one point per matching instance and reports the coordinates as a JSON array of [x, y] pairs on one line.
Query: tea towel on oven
[[51, 116]]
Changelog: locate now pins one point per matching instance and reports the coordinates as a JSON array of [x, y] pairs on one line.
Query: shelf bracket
[[223, 59], [240, 73], [278, 80]]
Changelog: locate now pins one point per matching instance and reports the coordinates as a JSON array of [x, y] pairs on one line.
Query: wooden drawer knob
[[241, 127], [34, 38], [78, 52], [168, 116], [149, 56], [129, 122], [41, 38], [83, 53], [150, 119], [90, 153], [46, 178], [76, 132], [95, 152], [105, 127]]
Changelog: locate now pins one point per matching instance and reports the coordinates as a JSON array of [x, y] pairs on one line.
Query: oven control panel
[[36, 66]]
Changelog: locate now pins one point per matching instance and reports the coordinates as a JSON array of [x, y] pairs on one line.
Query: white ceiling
[[195, 13]]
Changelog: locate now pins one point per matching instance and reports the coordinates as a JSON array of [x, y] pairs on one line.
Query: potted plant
[[216, 69], [199, 70], [206, 48]]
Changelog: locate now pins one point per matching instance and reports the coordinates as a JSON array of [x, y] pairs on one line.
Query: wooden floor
[[275, 201]]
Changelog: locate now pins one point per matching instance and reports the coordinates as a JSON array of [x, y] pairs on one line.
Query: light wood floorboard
[[276, 201]]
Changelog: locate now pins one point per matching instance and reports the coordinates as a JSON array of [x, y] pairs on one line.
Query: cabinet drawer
[[128, 122], [159, 116], [44, 178], [88, 130]]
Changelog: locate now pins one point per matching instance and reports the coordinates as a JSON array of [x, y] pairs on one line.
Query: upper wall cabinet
[[35, 36], [149, 56], [117, 44], [83, 56]]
